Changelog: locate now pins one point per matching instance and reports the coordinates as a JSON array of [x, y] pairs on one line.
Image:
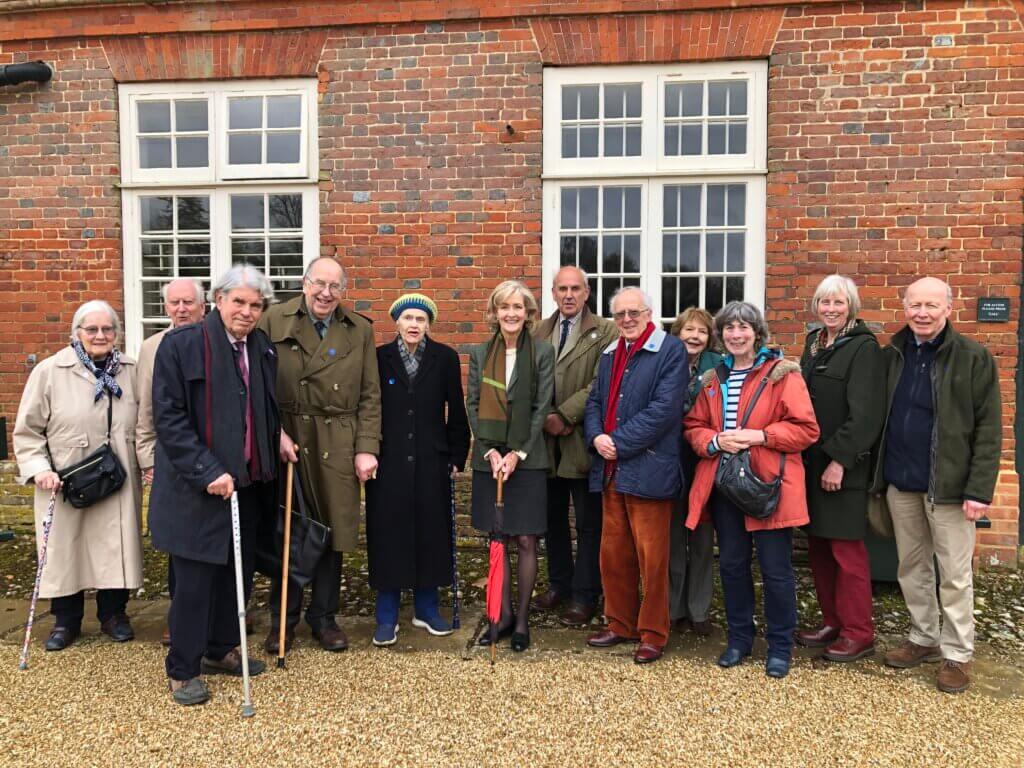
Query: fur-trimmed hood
[[721, 371]]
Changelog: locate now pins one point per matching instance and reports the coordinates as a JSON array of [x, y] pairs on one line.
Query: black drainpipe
[[34, 71]]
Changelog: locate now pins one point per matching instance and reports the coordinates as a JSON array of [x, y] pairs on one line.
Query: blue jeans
[[774, 555], [425, 601]]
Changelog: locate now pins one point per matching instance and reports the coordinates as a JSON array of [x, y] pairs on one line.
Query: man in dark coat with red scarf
[[217, 431], [633, 425]]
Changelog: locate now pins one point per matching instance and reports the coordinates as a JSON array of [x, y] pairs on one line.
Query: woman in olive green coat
[[845, 373]]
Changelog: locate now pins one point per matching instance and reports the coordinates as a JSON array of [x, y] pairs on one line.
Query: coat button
[[325, 455], [302, 383], [295, 347], [411, 435], [410, 458], [327, 420], [411, 412], [335, 387]]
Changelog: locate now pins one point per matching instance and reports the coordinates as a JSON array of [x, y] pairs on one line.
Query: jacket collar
[[653, 343], [901, 337], [587, 322], [763, 354], [394, 357]]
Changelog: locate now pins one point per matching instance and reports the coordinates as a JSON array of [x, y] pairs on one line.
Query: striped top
[[732, 396]]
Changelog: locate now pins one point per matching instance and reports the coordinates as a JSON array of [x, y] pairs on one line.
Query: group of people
[[619, 422]]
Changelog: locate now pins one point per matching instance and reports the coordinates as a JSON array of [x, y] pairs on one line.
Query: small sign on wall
[[993, 309]]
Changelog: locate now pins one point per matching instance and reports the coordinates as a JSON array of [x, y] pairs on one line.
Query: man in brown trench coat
[[328, 389]]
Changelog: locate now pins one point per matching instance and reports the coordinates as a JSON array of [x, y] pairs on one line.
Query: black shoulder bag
[[735, 479], [309, 540], [97, 476]]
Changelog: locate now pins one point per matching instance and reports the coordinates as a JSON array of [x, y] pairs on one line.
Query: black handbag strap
[[750, 407], [110, 414]]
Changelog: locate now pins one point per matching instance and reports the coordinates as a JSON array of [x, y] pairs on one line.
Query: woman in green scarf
[[510, 394]]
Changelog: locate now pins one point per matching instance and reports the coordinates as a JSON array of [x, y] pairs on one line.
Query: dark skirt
[[525, 495]]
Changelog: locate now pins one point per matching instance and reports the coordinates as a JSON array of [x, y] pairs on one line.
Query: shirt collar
[[232, 340], [572, 320]]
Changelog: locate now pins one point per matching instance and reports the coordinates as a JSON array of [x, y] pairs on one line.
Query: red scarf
[[619, 363]]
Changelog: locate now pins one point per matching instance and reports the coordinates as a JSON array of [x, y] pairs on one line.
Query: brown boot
[[954, 676], [331, 638], [911, 655], [271, 644]]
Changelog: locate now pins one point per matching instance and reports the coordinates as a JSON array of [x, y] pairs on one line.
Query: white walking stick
[[47, 522], [236, 535]]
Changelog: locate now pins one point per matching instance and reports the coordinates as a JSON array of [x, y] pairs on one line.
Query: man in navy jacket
[[633, 423]]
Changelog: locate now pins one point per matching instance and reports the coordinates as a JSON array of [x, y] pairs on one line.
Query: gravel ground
[[99, 703]]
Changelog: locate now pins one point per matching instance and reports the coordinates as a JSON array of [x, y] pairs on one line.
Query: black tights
[[526, 561]]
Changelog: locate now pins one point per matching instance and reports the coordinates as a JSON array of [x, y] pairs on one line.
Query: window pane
[[669, 256], [286, 257], [284, 111], [194, 258], [738, 98], [692, 139], [612, 215], [633, 135], [193, 214], [589, 95], [191, 115], [734, 289], [689, 252], [245, 149], [588, 141], [245, 112], [668, 296], [588, 253], [689, 205], [689, 292], [569, 99], [609, 285], [588, 208], [157, 258], [717, 97], [737, 205], [285, 211], [152, 299], [735, 242], [611, 257], [673, 97], [632, 207], [738, 138], [713, 290], [614, 101], [634, 97], [716, 138], [246, 212], [155, 153], [592, 299], [249, 250], [154, 116], [715, 252], [568, 208], [671, 140], [567, 252], [192, 152], [157, 214], [569, 141], [613, 140], [283, 147], [693, 100], [631, 253], [716, 205], [670, 206]]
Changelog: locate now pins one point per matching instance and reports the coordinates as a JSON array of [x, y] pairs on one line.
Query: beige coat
[[99, 547], [145, 433]]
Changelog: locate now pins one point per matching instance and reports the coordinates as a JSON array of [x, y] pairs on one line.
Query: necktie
[[243, 368], [321, 328], [566, 323]]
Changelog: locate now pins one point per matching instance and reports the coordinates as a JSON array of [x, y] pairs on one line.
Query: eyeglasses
[[632, 314], [320, 286], [94, 330]]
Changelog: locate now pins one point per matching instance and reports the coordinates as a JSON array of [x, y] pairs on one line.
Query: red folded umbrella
[[496, 568]]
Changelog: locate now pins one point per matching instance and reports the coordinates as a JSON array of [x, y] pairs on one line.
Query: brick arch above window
[[651, 38], [224, 56]]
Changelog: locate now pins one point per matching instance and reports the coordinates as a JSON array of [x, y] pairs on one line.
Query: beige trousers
[[925, 531]]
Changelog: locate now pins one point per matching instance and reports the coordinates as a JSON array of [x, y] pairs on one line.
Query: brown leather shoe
[[577, 615], [332, 638], [911, 655], [844, 649], [165, 638], [608, 638], [954, 676], [703, 628], [648, 653], [548, 601], [272, 643], [682, 625], [817, 638]]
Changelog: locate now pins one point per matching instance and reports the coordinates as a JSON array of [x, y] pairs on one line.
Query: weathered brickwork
[[895, 149]]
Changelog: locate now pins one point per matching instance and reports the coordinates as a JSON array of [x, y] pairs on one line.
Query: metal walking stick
[[455, 559], [47, 523], [236, 535], [284, 565]]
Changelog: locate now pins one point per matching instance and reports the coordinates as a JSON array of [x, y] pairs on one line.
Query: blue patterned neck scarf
[[411, 361], [105, 375]]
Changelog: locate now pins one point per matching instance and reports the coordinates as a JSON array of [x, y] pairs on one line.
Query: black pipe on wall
[[35, 71]]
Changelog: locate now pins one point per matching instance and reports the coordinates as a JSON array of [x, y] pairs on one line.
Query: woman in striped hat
[[425, 439]]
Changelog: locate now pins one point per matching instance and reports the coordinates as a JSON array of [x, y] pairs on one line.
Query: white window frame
[[217, 94], [652, 170]]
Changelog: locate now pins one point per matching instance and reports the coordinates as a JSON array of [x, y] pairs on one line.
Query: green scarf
[[501, 426]]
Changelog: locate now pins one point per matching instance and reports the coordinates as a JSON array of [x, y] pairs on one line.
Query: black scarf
[[225, 408]]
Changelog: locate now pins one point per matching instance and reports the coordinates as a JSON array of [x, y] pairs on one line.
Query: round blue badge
[[391, 381], [332, 352]]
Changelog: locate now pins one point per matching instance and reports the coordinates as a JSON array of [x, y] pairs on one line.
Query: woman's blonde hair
[[837, 285], [502, 292], [698, 315]]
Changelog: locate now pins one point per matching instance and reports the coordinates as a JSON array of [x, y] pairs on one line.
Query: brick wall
[[895, 149]]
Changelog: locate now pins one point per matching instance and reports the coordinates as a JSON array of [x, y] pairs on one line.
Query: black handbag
[[309, 540], [97, 476], [735, 479]]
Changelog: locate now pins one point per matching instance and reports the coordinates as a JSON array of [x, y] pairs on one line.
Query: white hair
[[243, 276], [96, 305], [309, 268], [648, 303], [197, 286], [949, 293], [836, 285], [583, 273]]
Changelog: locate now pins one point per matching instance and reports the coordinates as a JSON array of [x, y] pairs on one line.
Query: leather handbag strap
[[750, 407]]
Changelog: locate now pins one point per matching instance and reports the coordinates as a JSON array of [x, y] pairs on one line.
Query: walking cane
[[455, 559], [47, 522], [284, 565], [236, 535]]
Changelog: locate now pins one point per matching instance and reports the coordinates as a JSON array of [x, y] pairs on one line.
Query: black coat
[[408, 506], [184, 519], [847, 386]]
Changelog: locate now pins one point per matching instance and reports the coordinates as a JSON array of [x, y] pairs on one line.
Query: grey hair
[[583, 273], [648, 303], [96, 305], [744, 312], [196, 284], [242, 276], [309, 268], [834, 285]]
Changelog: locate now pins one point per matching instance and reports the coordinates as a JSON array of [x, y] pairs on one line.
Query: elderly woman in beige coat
[[61, 420]]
